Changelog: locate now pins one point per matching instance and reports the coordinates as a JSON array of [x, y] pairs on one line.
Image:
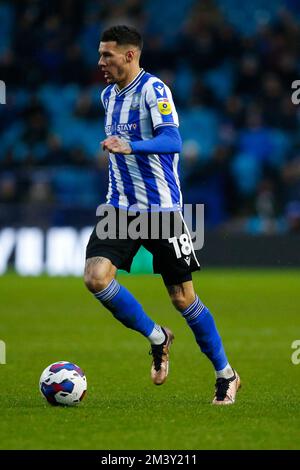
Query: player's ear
[[129, 56]]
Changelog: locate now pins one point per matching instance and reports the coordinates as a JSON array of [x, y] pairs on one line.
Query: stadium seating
[[206, 118]]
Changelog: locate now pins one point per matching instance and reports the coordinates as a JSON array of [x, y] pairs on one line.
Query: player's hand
[[115, 144]]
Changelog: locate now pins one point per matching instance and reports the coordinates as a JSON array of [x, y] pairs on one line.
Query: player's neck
[[131, 76]]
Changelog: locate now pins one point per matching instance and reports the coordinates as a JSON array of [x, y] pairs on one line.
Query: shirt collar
[[130, 85]]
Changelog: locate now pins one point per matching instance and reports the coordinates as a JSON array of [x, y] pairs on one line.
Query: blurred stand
[[230, 68]]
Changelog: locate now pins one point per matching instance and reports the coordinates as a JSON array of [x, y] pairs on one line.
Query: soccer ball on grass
[[63, 383]]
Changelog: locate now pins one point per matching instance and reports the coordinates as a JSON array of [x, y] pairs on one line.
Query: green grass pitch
[[44, 320]]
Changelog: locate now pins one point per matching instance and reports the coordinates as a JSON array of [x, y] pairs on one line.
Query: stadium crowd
[[230, 71]]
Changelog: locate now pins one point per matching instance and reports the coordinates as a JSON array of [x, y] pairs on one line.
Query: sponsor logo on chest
[[121, 127]]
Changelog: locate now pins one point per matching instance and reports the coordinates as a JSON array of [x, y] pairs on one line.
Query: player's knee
[[97, 282], [179, 301], [97, 276], [182, 298], [182, 295]]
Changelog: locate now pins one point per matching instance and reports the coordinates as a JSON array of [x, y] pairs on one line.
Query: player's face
[[113, 61]]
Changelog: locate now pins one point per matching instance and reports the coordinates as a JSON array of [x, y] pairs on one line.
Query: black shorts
[[173, 253]]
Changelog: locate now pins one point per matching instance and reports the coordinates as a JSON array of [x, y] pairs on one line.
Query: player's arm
[[166, 140], [159, 102]]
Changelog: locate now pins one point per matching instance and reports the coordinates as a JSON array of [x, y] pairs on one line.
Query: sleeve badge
[[164, 106]]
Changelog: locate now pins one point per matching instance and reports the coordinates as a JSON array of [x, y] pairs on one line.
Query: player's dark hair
[[123, 35]]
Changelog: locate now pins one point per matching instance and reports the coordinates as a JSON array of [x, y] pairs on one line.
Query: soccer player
[[143, 141]]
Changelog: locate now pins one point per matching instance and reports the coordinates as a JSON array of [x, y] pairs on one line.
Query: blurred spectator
[[56, 154], [293, 216], [210, 183], [8, 188], [85, 108], [248, 77], [291, 176], [255, 139]]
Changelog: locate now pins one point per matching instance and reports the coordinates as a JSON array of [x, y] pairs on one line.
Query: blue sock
[[125, 308], [202, 323]]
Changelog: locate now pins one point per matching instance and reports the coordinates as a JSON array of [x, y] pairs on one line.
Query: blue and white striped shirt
[[133, 113]]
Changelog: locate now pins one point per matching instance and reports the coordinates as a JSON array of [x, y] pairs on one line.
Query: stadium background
[[230, 66], [231, 70]]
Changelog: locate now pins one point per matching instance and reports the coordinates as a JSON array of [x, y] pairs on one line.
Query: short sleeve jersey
[[133, 113]]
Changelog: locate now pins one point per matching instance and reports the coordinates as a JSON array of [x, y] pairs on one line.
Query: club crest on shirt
[[164, 106], [135, 103]]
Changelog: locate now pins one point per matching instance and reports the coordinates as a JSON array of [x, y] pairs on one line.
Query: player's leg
[[202, 323], [100, 279], [175, 259], [103, 258]]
